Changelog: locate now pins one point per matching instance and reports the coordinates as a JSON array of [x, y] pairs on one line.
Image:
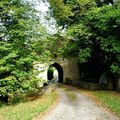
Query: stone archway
[[60, 71], [68, 71]]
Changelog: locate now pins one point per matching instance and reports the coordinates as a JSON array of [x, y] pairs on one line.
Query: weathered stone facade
[[84, 85], [69, 73], [69, 69]]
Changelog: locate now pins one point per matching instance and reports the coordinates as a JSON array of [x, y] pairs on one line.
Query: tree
[[93, 32], [69, 12], [18, 21]]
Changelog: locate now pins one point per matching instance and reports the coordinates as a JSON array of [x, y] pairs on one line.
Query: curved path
[[83, 108]]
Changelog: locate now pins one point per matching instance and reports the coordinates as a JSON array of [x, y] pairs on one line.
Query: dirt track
[[83, 108]]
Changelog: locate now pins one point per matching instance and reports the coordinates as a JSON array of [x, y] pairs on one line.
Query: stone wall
[[69, 66], [71, 69], [84, 85]]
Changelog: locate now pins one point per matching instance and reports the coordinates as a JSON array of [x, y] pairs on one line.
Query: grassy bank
[[109, 99], [28, 110]]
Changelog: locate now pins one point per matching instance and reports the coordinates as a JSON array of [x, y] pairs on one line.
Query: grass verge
[[109, 99], [28, 110]]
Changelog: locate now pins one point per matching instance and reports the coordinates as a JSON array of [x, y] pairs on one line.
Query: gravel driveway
[[83, 108]]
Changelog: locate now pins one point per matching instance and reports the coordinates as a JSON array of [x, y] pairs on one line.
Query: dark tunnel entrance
[[50, 72]]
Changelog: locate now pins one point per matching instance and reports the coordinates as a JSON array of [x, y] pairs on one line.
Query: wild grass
[[109, 99], [27, 110]]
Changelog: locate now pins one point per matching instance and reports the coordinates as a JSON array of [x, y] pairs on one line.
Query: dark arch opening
[[60, 72]]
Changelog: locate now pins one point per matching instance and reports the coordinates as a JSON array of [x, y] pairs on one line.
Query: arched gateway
[[68, 72], [68, 69]]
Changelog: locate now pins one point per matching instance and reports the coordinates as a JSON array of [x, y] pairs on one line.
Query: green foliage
[[109, 99], [84, 55], [97, 36], [48, 47], [104, 25], [115, 68], [60, 11], [54, 44], [67, 12], [29, 108], [19, 28], [40, 48], [92, 30]]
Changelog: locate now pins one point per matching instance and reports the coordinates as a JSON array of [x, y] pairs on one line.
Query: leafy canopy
[[19, 29], [93, 28]]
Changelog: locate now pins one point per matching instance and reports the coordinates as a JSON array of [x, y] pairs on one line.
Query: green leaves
[[60, 11], [19, 25], [115, 68], [94, 28], [84, 55], [110, 45], [68, 12]]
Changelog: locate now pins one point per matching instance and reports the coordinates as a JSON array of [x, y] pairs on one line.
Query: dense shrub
[[17, 30]]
